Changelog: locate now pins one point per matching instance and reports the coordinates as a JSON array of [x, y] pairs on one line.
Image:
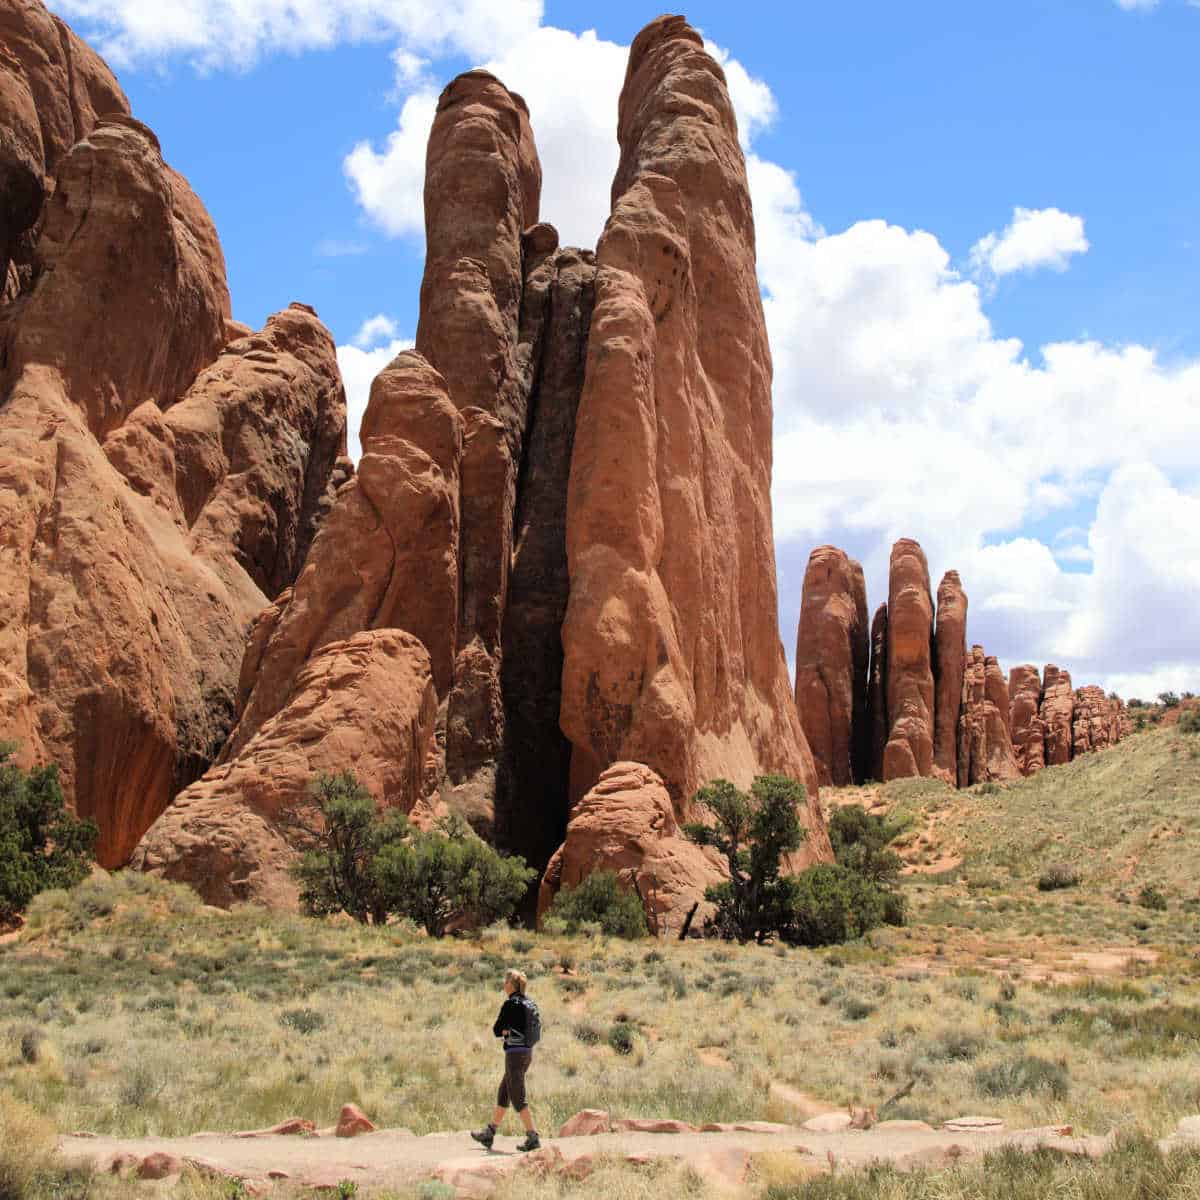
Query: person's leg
[[487, 1134], [516, 1077]]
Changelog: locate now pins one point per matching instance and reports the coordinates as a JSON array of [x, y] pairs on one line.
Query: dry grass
[[127, 1008]]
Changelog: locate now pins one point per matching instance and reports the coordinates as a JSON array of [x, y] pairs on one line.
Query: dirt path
[[391, 1158]]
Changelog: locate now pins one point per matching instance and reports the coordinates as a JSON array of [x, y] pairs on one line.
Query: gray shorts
[[512, 1086]]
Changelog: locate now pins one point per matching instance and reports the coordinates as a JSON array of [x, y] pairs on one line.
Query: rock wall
[[161, 468], [671, 643], [1058, 715], [832, 652], [985, 744]]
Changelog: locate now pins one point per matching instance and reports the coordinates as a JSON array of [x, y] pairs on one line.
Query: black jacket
[[511, 1023]]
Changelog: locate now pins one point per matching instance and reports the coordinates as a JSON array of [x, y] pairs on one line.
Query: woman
[[519, 1025]]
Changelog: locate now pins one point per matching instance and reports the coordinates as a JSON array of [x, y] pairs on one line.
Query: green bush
[[752, 832], [829, 903], [450, 876], [860, 843], [1056, 877], [600, 899], [374, 865], [620, 1037], [1189, 721], [42, 846], [1020, 1076], [1150, 897]]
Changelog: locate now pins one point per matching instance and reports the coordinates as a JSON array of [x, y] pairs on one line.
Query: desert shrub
[[373, 865], [1058, 876], [588, 1034], [860, 843], [753, 831], [26, 1148], [989, 788], [854, 1009], [450, 876], [42, 845], [1021, 1076], [957, 1046], [829, 903], [1189, 721], [1168, 699], [1150, 897], [621, 1037], [338, 874], [602, 900], [302, 1020]]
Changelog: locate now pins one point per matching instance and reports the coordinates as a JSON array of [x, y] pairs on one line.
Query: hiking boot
[[485, 1136], [531, 1142]]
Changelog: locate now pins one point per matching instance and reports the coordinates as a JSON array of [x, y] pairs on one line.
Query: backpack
[[533, 1022]]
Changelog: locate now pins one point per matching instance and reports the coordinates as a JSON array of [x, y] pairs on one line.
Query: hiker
[[520, 1025]]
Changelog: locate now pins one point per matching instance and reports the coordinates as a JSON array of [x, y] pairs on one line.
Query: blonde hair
[[517, 979]]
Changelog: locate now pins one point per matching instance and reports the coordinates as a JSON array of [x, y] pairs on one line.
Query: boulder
[[652, 1125], [950, 661], [366, 705], [832, 651], [626, 823], [831, 1122], [352, 1121], [1028, 730], [586, 1123], [159, 1166], [910, 694], [671, 640]]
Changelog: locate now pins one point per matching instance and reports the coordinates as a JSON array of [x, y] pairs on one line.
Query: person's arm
[[503, 1019]]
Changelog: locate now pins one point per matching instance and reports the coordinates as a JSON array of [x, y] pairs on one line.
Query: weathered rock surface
[[985, 747], [950, 663], [1058, 714], [910, 696], [482, 187], [1028, 729], [1098, 720], [671, 643], [626, 823], [153, 479], [53, 87], [832, 651], [366, 705]]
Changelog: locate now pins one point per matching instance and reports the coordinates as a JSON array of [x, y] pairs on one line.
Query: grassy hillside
[[1123, 819]]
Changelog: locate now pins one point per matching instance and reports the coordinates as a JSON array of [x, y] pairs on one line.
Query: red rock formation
[[877, 712], [985, 746], [482, 186], [831, 665], [1097, 722], [1058, 715], [910, 696], [145, 501], [1028, 730], [950, 661], [366, 705], [671, 640], [52, 88], [626, 823]]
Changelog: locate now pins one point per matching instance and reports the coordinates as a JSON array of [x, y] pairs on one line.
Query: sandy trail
[[390, 1158]]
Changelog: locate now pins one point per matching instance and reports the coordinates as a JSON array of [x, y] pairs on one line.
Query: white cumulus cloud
[[375, 329], [1036, 237], [359, 367], [221, 33]]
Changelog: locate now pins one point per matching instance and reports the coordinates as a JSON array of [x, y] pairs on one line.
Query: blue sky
[[942, 191]]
